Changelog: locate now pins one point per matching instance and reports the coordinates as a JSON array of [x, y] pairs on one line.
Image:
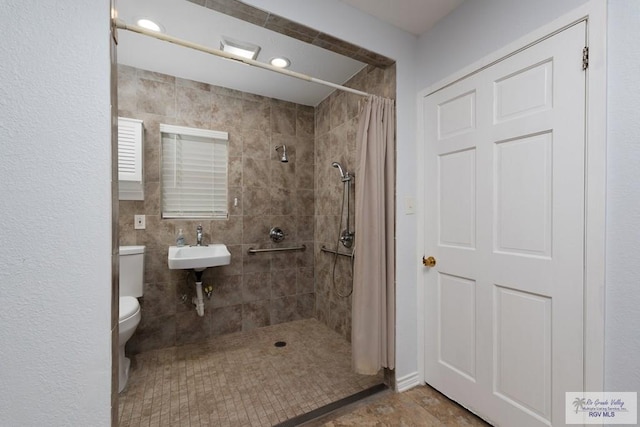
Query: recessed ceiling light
[[149, 24], [240, 48], [280, 62]]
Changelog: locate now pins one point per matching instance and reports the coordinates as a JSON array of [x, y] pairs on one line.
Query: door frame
[[594, 12]]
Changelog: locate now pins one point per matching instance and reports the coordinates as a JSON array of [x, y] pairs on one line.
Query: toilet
[[131, 287]]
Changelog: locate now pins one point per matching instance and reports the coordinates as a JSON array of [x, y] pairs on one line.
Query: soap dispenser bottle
[[180, 238]]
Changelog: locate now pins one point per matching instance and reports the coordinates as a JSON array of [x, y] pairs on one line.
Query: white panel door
[[504, 219]]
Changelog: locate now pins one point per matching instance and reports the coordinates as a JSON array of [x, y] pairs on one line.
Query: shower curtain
[[373, 304]]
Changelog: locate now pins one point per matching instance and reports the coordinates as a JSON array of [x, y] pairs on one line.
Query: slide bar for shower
[[331, 251], [140, 30], [297, 248]]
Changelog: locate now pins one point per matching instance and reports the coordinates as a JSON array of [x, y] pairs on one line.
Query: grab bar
[[297, 248], [331, 251]]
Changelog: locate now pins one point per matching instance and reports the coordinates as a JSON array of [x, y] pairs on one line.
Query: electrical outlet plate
[[139, 222]]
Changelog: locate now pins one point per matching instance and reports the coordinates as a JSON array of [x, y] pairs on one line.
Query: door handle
[[429, 262]]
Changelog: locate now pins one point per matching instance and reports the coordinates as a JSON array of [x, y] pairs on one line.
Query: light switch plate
[[139, 222]]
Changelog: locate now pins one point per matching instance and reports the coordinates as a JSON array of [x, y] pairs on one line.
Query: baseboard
[[408, 381]]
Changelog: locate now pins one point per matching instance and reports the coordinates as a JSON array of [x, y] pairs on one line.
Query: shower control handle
[[429, 262], [346, 238], [276, 234]]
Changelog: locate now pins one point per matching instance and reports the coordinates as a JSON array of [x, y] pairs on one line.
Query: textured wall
[[622, 340], [336, 129], [476, 29], [254, 290], [55, 260]]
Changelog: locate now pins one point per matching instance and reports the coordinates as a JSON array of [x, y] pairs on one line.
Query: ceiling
[[412, 16], [186, 20]]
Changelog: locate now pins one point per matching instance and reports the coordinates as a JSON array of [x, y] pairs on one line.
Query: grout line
[[242, 378]]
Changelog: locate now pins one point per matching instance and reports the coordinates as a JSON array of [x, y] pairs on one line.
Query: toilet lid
[[128, 307]]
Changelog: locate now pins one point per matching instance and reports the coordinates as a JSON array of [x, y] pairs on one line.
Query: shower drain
[[280, 344]]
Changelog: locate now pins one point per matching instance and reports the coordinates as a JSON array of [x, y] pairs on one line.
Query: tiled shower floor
[[241, 379]]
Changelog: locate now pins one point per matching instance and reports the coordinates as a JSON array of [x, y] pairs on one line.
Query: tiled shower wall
[[254, 290], [335, 134]]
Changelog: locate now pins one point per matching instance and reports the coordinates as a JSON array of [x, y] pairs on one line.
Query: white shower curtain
[[373, 304]]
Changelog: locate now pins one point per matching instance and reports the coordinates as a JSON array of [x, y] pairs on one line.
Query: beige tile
[[127, 87], [226, 113], [235, 172], [256, 287], [227, 231], [194, 106], [283, 119], [156, 97], [304, 176], [255, 115], [283, 174], [304, 121], [256, 201], [227, 291], [255, 314], [257, 144], [255, 173], [283, 283], [241, 378]]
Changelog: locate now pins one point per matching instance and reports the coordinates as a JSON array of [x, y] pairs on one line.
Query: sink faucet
[[199, 235]]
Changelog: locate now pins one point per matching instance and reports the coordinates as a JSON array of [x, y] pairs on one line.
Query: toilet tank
[[131, 271]]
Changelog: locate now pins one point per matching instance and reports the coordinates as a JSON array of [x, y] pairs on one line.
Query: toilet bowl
[[129, 318], [131, 287]]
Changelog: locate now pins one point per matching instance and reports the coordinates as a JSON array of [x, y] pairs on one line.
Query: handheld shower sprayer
[[339, 166], [284, 158], [346, 236], [343, 174]]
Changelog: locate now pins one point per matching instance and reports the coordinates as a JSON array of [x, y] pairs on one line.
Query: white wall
[[55, 210], [622, 336], [477, 28], [340, 20]]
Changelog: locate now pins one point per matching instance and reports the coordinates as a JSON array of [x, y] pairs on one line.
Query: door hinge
[[585, 58]]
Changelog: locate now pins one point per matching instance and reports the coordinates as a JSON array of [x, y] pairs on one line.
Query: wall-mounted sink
[[198, 257]]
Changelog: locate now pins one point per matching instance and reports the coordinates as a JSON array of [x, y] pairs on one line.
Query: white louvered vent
[[194, 173], [130, 159]]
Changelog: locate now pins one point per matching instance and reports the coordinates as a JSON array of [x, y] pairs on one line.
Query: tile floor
[[418, 407], [241, 379]]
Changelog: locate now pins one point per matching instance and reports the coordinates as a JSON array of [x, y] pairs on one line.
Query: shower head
[[284, 158]]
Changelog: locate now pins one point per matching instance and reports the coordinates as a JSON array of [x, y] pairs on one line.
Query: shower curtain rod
[[140, 30]]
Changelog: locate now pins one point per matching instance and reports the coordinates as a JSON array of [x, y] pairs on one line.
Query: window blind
[[194, 176]]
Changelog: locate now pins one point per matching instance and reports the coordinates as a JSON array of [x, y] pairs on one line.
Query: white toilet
[[131, 287]]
